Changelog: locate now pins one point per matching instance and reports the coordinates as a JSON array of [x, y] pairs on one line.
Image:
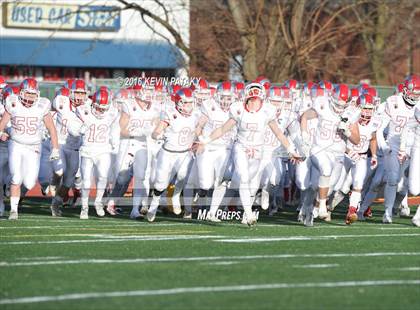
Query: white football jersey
[[102, 134], [399, 116], [326, 135], [366, 133], [139, 118], [251, 125], [27, 123], [66, 113], [180, 133], [216, 118]]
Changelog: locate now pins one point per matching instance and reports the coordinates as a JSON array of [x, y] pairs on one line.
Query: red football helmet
[[254, 90], [294, 86], [63, 91], [374, 93], [307, 88], [317, 91], [123, 94], [275, 96], [239, 89], [3, 83], [69, 83], [399, 89], [367, 105], [9, 90], [265, 82], [225, 95], [101, 102], [78, 92], [340, 98], [411, 90], [29, 92], [184, 101], [201, 92], [327, 85]]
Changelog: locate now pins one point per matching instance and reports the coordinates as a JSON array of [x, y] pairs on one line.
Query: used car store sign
[[32, 15]]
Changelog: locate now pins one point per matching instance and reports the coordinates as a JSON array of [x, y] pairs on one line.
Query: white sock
[[355, 198], [154, 204], [322, 203], [245, 196], [14, 201], [85, 202]]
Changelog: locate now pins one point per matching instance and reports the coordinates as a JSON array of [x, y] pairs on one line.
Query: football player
[[26, 112]]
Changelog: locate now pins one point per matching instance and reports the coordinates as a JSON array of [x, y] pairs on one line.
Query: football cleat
[[308, 219], [187, 214], [99, 209], [368, 213], [56, 211], [110, 208], [387, 219], [301, 216], [143, 210], [322, 212], [151, 216], [13, 215], [84, 213], [213, 218], [405, 211], [251, 221], [351, 216], [416, 221]]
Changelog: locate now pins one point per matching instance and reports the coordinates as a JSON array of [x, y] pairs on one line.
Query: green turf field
[[117, 263]]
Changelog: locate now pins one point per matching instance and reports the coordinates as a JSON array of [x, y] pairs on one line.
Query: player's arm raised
[[201, 123], [354, 134], [218, 132], [157, 134], [282, 138], [306, 116]]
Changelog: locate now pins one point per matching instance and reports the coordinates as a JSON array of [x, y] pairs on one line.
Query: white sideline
[[308, 238], [205, 289], [199, 258], [118, 239]]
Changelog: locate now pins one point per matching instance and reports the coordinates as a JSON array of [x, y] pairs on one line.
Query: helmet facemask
[[78, 97], [28, 97]]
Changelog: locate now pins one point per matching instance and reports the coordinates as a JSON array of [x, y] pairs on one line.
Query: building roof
[[87, 53]]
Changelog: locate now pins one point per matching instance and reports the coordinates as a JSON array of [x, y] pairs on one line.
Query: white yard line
[[40, 258], [317, 266], [200, 258], [309, 238], [117, 239], [409, 269], [206, 289], [222, 263]]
